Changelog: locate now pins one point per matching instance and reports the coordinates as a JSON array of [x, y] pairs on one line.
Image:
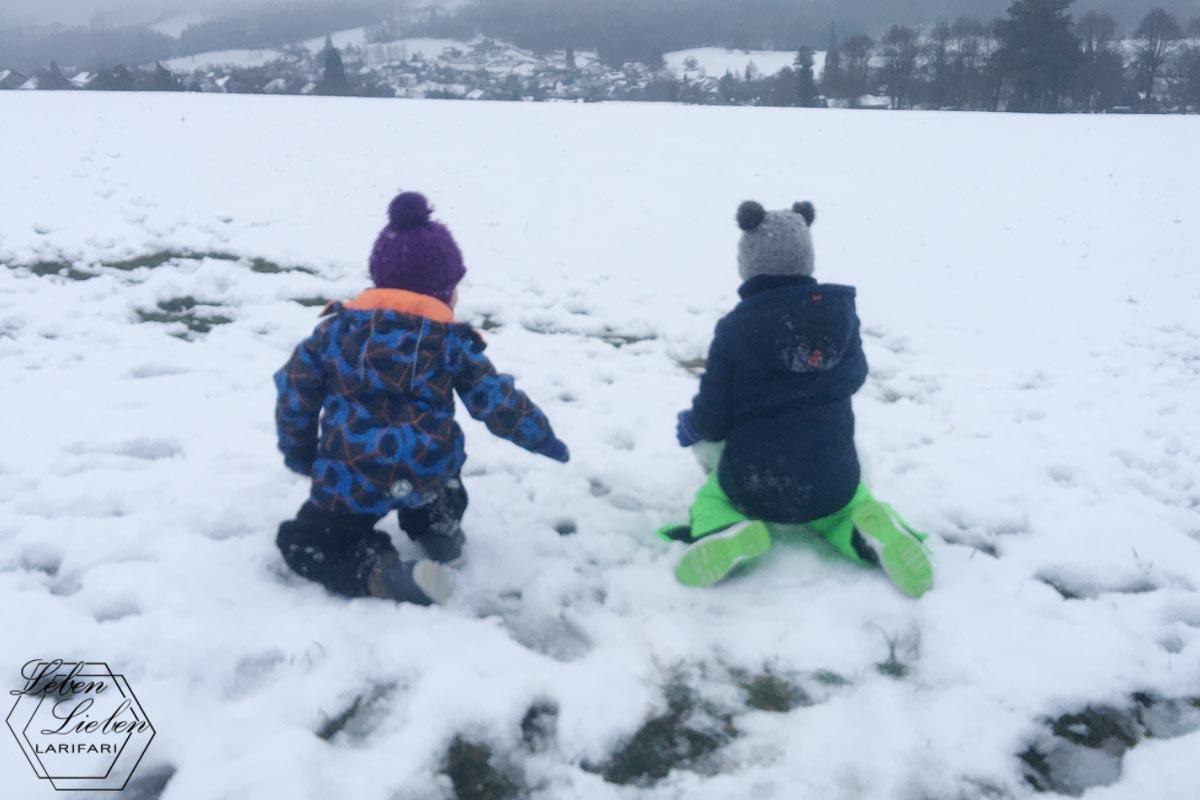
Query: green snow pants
[[713, 511]]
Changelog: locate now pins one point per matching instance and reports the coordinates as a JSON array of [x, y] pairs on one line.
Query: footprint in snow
[[150, 449], [1072, 584], [1061, 474], [117, 610]]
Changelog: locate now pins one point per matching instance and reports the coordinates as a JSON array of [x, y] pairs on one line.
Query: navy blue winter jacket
[[781, 371]]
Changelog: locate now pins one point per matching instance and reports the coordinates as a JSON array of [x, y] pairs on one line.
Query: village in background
[[1038, 58]]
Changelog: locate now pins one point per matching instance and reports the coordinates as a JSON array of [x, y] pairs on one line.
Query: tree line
[[1037, 58]]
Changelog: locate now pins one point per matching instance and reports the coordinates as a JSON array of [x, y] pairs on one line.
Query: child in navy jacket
[[366, 409], [776, 392]]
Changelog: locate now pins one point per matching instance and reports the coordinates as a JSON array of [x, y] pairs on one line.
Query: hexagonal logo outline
[[45, 679]]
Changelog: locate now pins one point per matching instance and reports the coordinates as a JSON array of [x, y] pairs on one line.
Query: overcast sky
[[81, 12], [118, 12]]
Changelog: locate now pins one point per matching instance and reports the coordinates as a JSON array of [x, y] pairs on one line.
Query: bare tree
[[900, 54], [857, 54], [1102, 71], [939, 63], [1096, 30], [1157, 31], [1191, 78], [968, 85]]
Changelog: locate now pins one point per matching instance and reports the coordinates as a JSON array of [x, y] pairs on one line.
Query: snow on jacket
[[781, 371], [379, 374]]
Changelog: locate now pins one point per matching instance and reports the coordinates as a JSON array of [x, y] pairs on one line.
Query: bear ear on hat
[[750, 215], [806, 210]]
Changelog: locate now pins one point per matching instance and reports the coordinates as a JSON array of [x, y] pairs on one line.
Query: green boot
[[898, 547], [713, 557]]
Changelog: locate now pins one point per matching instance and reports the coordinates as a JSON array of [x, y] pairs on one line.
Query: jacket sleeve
[[494, 399], [712, 409], [857, 369], [301, 393]]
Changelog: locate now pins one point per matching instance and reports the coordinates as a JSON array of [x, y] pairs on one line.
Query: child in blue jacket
[[366, 409], [776, 392]]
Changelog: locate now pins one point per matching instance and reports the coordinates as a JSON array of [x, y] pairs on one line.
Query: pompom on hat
[[775, 242], [416, 253]]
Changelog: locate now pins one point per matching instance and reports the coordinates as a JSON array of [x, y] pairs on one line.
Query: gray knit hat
[[775, 242]]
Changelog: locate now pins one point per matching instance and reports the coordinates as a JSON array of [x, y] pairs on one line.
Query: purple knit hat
[[415, 253]]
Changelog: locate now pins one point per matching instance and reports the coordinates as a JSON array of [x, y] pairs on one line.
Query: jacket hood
[[801, 326]]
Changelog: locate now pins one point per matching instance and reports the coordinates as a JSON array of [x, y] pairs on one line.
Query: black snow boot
[[422, 583]]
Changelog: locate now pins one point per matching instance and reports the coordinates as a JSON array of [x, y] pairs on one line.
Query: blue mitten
[[555, 450], [686, 431], [301, 462]]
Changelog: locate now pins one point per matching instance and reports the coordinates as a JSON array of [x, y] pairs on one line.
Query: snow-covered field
[[1029, 291], [223, 58], [716, 61]]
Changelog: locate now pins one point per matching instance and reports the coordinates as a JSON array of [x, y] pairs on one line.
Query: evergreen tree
[[163, 80], [1157, 32], [807, 94], [333, 81], [53, 78], [833, 79], [782, 88], [117, 79], [728, 87], [1038, 55]]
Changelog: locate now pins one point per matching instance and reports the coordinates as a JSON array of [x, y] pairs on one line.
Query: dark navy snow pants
[[339, 551]]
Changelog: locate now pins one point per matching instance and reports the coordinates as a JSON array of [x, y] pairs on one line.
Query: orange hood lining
[[402, 302]]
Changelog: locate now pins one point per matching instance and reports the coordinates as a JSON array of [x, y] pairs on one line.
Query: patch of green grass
[[488, 323], [151, 260], [337, 723], [358, 720], [160, 258], [899, 665], [539, 724], [1111, 730], [43, 269], [265, 267], [189, 311], [474, 775], [312, 302], [163, 257], [619, 340], [608, 335], [827, 677], [770, 692], [681, 738]]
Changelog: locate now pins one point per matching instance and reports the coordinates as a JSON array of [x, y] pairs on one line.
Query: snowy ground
[[716, 61], [1028, 287]]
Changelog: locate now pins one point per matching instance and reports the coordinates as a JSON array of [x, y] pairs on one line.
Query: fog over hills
[[868, 13], [90, 33]]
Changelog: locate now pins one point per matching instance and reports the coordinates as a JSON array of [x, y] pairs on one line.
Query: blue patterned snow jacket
[[781, 371], [380, 373]]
